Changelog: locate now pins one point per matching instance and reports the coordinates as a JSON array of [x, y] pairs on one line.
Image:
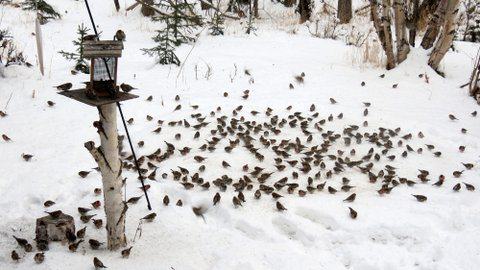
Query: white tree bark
[[403, 47], [109, 162], [446, 37]]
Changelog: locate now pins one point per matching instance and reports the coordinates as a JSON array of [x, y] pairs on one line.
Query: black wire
[[121, 114]]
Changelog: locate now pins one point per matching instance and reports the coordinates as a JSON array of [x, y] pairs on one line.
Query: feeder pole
[[110, 165]]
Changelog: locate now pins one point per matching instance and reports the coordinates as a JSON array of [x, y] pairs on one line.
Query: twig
[[8, 101]]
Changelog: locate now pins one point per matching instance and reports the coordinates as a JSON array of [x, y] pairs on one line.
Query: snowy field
[[391, 231]]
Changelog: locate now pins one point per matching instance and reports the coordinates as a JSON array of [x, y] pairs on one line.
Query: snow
[[392, 231]]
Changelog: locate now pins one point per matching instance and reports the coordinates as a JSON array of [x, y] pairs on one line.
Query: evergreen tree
[[216, 24], [180, 21], [44, 10], [80, 62], [165, 50]]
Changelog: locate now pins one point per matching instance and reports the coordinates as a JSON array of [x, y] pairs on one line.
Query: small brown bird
[[97, 263], [179, 203], [353, 213], [452, 117], [86, 218], [14, 256], [126, 252], [134, 200], [39, 257], [395, 85], [149, 98], [291, 86], [48, 203], [468, 166], [27, 157], [120, 35], [64, 87], [350, 198], [333, 101], [21, 241], [50, 103], [3, 114], [83, 210], [236, 201], [98, 223], [420, 198], [457, 187], [280, 206], [225, 164], [362, 84], [474, 114], [96, 204], [382, 76], [469, 187], [74, 246], [179, 107], [126, 88], [166, 200], [55, 214], [94, 244], [6, 138], [83, 174], [216, 198], [150, 217], [81, 232], [457, 174]]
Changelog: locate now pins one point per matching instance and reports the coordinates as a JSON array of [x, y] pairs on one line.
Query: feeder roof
[[102, 48]]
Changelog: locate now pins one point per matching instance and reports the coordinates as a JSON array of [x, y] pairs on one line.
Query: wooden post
[[38, 37], [110, 166]]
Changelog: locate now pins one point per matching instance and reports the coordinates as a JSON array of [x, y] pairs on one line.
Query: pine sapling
[[44, 10], [77, 56]]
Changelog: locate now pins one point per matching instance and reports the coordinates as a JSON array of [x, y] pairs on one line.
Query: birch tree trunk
[[382, 26], [109, 162], [446, 37], [413, 23], [434, 25], [400, 31]]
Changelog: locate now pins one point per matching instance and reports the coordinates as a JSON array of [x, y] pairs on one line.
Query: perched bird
[[225, 164], [86, 218], [126, 252], [150, 217], [120, 35], [74, 246], [83, 174], [395, 85], [333, 101], [126, 87], [179, 203], [280, 206], [350, 198], [3, 114], [134, 200], [39, 257], [469, 187], [64, 87], [420, 198], [291, 86], [474, 114], [97, 263], [166, 200], [362, 84], [81, 232], [55, 214], [236, 201], [94, 244], [216, 198], [382, 76], [21, 241], [50, 103], [452, 117], [14, 256], [353, 213], [27, 157], [457, 187], [48, 203], [6, 138]]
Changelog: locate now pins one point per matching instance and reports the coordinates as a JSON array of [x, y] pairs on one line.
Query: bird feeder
[[102, 88]]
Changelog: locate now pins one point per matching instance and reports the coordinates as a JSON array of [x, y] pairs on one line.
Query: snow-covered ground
[[392, 231]]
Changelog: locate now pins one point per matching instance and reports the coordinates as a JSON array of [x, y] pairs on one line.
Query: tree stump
[[53, 229], [344, 11], [147, 11]]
